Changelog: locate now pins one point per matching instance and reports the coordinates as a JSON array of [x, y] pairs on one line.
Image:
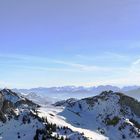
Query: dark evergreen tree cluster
[[26, 119], [46, 133]]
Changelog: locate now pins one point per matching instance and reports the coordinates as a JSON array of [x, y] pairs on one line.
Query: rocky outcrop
[[10, 101], [130, 102]]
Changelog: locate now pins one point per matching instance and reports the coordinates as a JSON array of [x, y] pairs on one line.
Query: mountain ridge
[[78, 92], [114, 115], [19, 116]]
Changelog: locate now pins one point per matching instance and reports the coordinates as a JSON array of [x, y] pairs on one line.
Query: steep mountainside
[[114, 115], [10, 103], [19, 120]]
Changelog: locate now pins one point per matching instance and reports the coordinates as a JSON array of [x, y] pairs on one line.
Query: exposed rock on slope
[[10, 101], [19, 120], [114, 115]]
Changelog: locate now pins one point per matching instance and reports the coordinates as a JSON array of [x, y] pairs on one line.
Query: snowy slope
[[53, 116], [19, 119], [114, 115], [108, 116], [16, 120]]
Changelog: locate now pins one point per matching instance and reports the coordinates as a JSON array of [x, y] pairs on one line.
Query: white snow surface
[[52, 114], [14, 128], [88, 115]]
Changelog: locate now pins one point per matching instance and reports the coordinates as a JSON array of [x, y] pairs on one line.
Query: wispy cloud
[[42, 63], [136, 62], [104, 56], [95, 74], [89, 68]]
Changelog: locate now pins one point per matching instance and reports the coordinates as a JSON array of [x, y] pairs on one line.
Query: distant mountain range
[[134, 93], [79, 92]]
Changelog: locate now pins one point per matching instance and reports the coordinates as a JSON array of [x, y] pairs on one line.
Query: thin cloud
[[137, 62], [25, 61]]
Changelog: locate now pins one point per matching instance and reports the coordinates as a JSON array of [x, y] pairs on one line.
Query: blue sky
[[76, 42]]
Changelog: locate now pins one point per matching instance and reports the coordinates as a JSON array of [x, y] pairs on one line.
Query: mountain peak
[[110, 112]]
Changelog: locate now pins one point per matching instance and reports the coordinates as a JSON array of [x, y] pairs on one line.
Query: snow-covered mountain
[[62, 93], [40, 99], [16, 117], [19, 119], [114, 115], [108, 116], [67, 91]]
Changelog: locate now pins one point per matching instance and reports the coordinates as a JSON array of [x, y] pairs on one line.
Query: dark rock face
[[70, 102], [1, 100], [9, 101], [133, 104], [2, 117]]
